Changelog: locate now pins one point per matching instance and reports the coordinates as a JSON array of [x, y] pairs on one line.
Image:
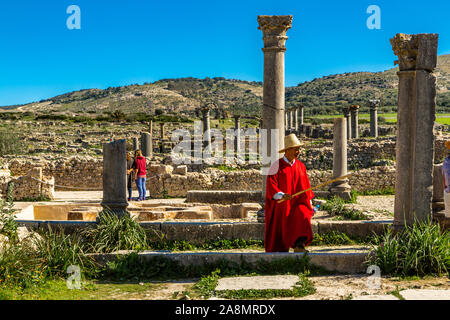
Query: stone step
[[337, 262]]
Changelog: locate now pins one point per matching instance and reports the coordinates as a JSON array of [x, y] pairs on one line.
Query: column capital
[[346, 111], [274, 31], [354, 108], [374, 104], [415, 51]]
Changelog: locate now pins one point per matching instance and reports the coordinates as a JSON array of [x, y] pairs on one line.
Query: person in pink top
[[140, 175]]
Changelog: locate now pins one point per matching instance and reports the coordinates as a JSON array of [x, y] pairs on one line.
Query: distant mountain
[[320, 96]]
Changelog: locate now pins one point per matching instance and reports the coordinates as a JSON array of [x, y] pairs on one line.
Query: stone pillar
[[150, 126], [438, 189], [274, 37], [237, 128], [286, 121], [289, 119], [415, 118], [115, 177], [340, 188], [146, 144], [373, 105], [346, 111], [300, 118], [162, 132], [135, 143], [295, 119], [355, 127], [206, 127]]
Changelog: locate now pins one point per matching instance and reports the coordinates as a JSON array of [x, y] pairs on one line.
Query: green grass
[[377, 192], [206, 288], [442, 118], [335, 206], [336, 238], [418, 250], [90, 290]]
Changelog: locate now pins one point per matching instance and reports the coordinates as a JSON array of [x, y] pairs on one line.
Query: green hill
[[325, 95]]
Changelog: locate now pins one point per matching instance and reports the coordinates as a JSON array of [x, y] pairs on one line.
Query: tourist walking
[[140, 173], [446, 180], [288, 224], [130, 170]]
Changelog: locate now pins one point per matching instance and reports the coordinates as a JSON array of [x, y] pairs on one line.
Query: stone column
[[146, 144], [373, 105], [237, 129], [346, 111], [286, 121], [135, 143], [438, 189], [206, 127], [274, 37], [355, 127], [296, 119], [115, 177], [162, 131], [354, 110], [290, 120], [340, 188], [150, 126], [417, 58]]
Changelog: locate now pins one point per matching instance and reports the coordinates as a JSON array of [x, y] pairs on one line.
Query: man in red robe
[[288, 224]]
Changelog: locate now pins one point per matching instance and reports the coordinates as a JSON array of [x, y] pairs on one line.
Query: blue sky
[[137, 41]]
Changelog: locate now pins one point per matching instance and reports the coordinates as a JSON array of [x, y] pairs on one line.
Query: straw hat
[[447, 144], [290, 141]]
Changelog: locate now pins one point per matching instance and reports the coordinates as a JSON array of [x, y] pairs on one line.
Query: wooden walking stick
[[318, 186]]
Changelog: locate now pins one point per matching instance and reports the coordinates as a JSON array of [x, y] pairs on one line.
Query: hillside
[[320, 96]]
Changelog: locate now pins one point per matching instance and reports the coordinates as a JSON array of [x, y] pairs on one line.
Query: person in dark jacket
[[140, 173], [130, 162]]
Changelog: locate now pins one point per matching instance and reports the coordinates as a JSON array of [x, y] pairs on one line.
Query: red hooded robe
[[291, 219]]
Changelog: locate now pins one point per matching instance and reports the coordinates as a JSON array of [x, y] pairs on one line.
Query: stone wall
[[33, 185]]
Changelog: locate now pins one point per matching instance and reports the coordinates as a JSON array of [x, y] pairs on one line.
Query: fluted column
[[417, 58]]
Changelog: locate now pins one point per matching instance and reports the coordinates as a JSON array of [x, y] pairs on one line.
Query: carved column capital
[[274, 31], [415, 51]]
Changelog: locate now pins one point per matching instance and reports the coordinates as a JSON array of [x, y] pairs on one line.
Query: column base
[[118, 208]]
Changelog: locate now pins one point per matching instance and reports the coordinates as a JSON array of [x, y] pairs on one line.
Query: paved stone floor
[[352, 287]]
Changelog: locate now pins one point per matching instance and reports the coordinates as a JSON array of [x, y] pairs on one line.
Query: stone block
[[182, 170]]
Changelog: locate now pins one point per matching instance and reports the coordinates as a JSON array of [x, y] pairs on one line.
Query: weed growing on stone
[[182, 245], [417, 250], [335, 206], [135, 267], [339, 238], [377, 192], [206, 288]]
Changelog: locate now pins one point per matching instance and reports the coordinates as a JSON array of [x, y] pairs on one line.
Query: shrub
[[114, 233], [11, 143], [417, 250]]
